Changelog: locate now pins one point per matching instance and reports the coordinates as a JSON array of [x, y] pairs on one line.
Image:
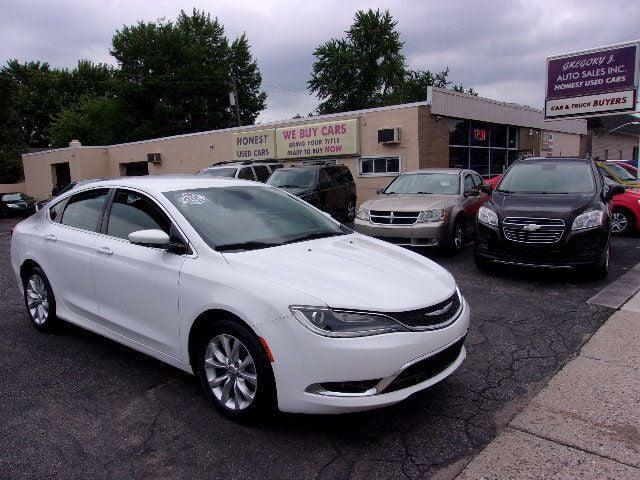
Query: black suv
[[328, 187], [547, 212]]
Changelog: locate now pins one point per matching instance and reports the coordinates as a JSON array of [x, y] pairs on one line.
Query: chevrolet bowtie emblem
[[442, 311], [531, 227]]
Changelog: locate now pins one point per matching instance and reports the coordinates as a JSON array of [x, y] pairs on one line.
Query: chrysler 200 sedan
[[269, 301]]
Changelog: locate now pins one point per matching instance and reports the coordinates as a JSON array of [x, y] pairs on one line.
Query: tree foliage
[[367, 68]]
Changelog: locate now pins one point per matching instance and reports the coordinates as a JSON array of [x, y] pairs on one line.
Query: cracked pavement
[[76, 405]]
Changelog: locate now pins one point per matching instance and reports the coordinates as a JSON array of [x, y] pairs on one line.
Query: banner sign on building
[[339, 137], [254, 145], [592, 82]]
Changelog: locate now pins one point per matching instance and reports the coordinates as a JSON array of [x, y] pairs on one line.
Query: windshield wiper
[[314, 236], [250, 245]]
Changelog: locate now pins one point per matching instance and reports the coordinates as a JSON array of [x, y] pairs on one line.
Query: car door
[[66, 247], [137, 286]]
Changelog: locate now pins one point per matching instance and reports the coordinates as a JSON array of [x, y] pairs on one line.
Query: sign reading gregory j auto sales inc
[[594, 81], [339, 137]]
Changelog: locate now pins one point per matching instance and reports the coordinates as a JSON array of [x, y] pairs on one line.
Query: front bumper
[[573, 250], [304, 360], [429, 234]]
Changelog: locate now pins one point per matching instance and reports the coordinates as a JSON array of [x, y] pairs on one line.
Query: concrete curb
[[586, 422]]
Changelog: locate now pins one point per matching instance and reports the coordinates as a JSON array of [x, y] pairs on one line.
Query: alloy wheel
[[37, 299], [351, 210], [231, 372], [619, 222], [458, 238]]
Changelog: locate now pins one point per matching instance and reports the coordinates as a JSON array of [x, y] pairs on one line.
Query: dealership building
[[449, 129]]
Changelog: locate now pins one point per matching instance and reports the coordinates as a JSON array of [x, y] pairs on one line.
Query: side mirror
[[615, 189], [472, 192], [150, 238], [486, 188]]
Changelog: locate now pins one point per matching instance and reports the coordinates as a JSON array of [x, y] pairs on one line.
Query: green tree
[[367, 68], [93, 121], [175, 77]]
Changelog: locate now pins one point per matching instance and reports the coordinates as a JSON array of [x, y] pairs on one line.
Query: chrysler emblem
[[532, 227], [442, 311], [391, 217]]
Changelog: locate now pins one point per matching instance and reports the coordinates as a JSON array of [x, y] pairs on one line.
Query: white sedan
[[268, 300]]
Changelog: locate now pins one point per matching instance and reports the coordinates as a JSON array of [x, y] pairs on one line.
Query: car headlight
[[363, 213], [593, 218], [432, 216], [13, 205], [339, 323], [487, 216]]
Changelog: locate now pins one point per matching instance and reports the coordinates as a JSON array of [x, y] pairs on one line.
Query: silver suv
[[425, 208], [258, 171]]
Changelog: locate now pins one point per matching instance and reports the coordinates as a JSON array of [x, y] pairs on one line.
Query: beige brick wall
[[618, 145], [13, 187], [434, 140]]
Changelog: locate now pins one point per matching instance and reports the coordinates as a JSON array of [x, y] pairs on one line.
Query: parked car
[[59, 191], [618, 174], [330, 188], [425, 208], [625, 211], [258, 171], [547, 212], [16, 204], [493, 181], [628, 165], [270, 302]]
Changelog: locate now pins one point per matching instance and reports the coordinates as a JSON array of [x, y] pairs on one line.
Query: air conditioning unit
[[389, 135], [154, 157]]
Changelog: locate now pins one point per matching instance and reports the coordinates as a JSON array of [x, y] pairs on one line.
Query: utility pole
[[234, 98]]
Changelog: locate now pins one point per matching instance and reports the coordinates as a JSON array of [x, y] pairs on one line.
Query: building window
[[381, 166]]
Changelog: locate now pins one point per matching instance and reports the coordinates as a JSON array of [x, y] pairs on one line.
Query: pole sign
[[593, 82]]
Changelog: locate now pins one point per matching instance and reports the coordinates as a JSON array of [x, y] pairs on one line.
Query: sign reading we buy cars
[[596, 81]]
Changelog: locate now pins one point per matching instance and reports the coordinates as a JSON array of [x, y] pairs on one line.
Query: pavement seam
[[568, 445]]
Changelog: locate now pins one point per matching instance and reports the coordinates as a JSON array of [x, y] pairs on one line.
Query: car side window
[[468, 182], [55, 211], [83, 210], [323, 179], [131, 211], [334, 176], [246, 173], [262, 172]]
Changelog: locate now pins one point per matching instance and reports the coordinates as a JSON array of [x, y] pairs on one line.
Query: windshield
[[416, 183], [621, 173], [14, 197], [219, 172], [293, 178], [248, 217], [548, 177]]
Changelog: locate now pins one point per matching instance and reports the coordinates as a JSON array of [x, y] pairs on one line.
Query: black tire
[[263, 402], [622, 222], [350, 213], [600, 269], [481, 262], [40, 301], [455, 244]]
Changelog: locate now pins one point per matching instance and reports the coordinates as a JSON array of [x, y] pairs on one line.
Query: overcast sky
[[496, 47]]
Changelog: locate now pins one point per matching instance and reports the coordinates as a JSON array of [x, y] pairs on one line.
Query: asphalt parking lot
[[76, 405]]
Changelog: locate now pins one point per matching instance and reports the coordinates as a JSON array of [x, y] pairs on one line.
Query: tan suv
[[425, 208]]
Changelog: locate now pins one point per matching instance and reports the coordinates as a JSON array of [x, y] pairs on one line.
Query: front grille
[[393, 218], [427, 368], [533, 230], [435, 316]]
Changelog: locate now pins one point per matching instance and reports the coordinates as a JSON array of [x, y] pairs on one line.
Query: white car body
[[148, 299]]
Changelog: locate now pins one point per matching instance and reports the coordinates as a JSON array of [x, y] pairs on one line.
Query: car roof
[[556, 159], [438, 170], [170, 183]]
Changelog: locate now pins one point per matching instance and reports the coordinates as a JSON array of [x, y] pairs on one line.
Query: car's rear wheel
[[235, 371], [39, 300], [621, 222]]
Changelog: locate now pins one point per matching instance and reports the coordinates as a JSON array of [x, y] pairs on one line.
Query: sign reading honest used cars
[[254, 145], [596, 81], [338, 137]]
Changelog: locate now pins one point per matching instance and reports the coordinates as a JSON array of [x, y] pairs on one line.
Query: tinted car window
[[468, 182], [83, 210], [422, 183], [477, 181], [334, 176], [55, 212], [293, 178], [246, 174], [323, 179], [262, 172], [12, 197], [131, 212], [549, 176]]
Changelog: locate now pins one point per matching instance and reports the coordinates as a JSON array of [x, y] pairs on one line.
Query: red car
[[625, 208], [627, 166]]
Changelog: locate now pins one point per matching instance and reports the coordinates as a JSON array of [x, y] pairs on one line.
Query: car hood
[[540, 205], [298, 191], [410, 203], [352, 272]]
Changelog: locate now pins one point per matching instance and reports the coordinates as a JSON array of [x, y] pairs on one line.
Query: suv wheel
[[600, 270], [39, 300], [235, 371], [456, 242], [351, 209], [621, 222]]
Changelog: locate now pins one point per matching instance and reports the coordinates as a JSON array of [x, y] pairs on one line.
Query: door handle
[[50, 237], [104, 250]]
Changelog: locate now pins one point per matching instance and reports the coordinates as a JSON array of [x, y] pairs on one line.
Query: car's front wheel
[[621, 222], [235, 371], [39, 300], [456, 242], [600, 269]]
